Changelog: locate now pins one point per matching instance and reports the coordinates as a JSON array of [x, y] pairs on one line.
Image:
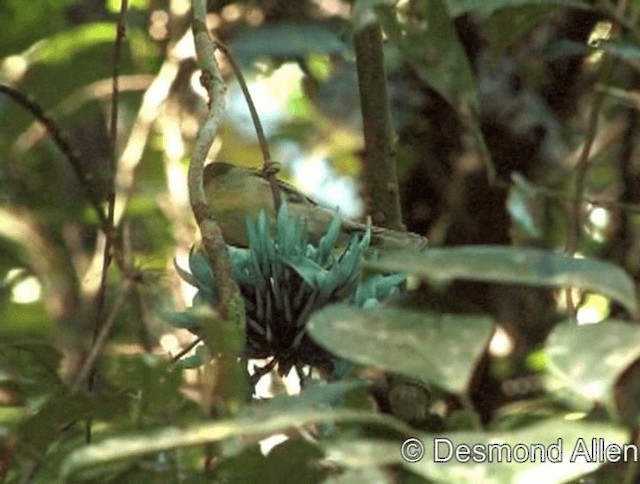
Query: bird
[[235, 192]]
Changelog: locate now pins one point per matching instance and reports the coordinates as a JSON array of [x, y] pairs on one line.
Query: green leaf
[[557, 438], [286, 41], [33, 366], [183, 320], [57, 47], [623, 50], [294, 458], [443, 64], [438, 349], [487, 7], [524, 206], [505, 27], [363, 12], [41, 429], [316, 396], [513, 265], [258, 425], [591, 375]]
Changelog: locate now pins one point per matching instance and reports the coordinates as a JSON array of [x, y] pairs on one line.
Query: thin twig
[[186, 350], [101, 327], [87, 369], [574, 219], [267, 164], [65, 147]]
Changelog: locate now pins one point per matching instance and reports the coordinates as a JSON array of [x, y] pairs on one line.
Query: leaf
[[505, 27], [443, 63], [523, 205], [623, 50], [40, 430], [316, 396], [33, 366], [487, 7], [57, 47], [286, 41], [132, 446], [363, 12], [295, 457], [557, 440], [438, 349], [513, 265], [591, 375]]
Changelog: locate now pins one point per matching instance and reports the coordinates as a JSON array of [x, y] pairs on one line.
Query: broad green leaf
[[57, 47], [556, 440], [487, 7], [294, 459], [154, 379], [443, 63], [438, 349], [588, 360], [38, 432], [258, 425], [513, 265], [286, 41], [320, 395], [507, 26], [623, 50]]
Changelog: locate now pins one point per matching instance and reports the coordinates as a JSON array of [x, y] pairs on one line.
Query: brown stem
[[378, 132], [100, 326], [231, 304]]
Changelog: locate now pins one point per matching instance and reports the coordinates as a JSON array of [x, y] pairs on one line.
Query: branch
[[102, 327], [231, 304], [378, 132], [86, 179]]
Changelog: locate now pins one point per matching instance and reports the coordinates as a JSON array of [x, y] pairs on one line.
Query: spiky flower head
[[283, 279]]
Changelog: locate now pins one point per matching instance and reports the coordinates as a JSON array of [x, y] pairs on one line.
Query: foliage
[[517, 137]]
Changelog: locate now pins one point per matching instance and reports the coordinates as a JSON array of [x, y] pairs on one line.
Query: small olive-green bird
[[235, 193]]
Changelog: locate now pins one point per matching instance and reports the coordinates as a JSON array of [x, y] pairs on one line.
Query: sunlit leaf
[[57, 47], [514, 265], [591, 375], [557, 441], [132, 446], [439, 349]]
